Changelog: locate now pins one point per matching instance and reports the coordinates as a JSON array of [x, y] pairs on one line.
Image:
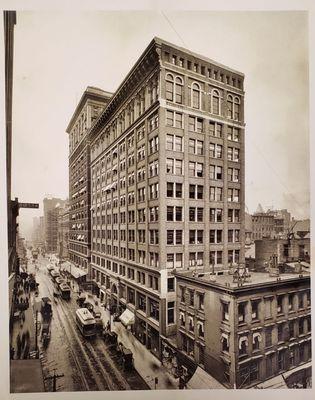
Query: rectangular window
[[195, 124], [225, 312], [268, 337], [241, 312], [171, 284], [171, 312], [280, 304], [290, 301]]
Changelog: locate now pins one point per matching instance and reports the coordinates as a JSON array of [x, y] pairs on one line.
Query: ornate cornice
[[146, 63]]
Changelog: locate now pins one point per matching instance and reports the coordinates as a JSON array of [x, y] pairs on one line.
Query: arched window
[[195, 95], [178, 90], [169, 87], [215, 102], [230, 106], [237, 108]]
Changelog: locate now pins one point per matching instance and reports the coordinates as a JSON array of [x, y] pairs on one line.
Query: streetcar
[[65, 291], [59, 280], [85, 322], [50, 267], [54, 274]]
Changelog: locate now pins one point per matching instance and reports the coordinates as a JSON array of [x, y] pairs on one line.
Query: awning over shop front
[[202, 380], [73, 269], [277, 382], [127, 318]]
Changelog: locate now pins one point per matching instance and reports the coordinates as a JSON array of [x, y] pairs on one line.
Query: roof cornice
[[90, 93], [151, 56]]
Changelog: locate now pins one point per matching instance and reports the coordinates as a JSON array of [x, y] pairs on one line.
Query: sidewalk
[[25, 370], [145, 363], [24, 329]]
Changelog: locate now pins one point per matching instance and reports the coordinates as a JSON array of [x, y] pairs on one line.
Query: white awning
[[73, 269], [127, 318], [202, 380]]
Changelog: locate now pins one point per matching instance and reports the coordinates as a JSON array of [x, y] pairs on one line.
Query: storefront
[[141, 330], [153, 341]]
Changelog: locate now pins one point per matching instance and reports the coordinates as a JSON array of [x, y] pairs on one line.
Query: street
[[87, 364]]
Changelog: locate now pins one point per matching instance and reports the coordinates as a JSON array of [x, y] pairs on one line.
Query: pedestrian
[[23, 341], [12, 352], [18, 346], [21, 318], [26, 345]]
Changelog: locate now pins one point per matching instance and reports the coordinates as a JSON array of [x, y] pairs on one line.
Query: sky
[[58, 54]]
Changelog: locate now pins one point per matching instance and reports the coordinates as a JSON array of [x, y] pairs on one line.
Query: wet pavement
[[87, 364]]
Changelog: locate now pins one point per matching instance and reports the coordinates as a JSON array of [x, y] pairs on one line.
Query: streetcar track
[[74, 357], [121, 382], [89, 347], [100, 380], [102, 384], [98, 369]]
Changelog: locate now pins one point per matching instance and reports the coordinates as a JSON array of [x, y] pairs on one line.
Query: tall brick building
[[90, 106], [167, 183]]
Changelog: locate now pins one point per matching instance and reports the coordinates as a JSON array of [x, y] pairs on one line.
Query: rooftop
[[254, 279]]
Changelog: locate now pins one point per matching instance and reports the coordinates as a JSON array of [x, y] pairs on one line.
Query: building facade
[[282, 222], [90, 106], [259, 328], [51, 211], [167, 182], [38, 232], [263, 226], [63, 233]]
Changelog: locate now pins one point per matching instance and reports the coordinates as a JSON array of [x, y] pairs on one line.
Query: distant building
[[51, 222], [287, 250], [63, 233], [38, 232], [300, 228], [263, 226], [282, 219], [248, 229], [243, 332]]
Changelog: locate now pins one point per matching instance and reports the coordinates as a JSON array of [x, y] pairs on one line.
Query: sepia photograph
[[158, 200]]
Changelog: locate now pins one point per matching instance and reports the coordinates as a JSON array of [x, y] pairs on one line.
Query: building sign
[[28, 205]]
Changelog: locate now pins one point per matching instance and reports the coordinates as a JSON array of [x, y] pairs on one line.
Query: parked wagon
[[46, 309], [45, 333]]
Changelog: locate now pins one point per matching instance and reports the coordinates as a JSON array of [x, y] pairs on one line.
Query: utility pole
[[54, 378]]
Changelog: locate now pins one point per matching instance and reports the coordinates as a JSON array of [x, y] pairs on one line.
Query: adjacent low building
[[243, 329]]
